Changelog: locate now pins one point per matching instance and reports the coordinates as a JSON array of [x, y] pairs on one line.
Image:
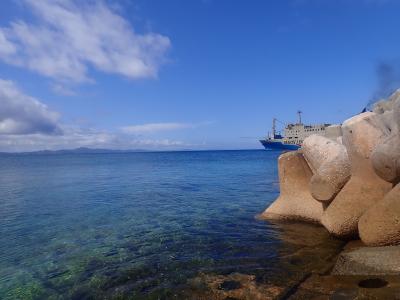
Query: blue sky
[[186, 74]]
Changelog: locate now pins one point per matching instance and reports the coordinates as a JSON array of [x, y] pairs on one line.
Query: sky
[[187, 74]]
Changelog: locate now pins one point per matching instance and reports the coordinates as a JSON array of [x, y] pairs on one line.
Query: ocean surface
[[143, 225]]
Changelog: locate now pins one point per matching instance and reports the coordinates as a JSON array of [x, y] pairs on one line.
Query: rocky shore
[[348, 182], [346, 186]]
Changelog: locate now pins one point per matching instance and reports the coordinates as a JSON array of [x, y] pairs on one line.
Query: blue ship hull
[[277, 145]]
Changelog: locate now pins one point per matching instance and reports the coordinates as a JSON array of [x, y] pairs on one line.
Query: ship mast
[[273, 127], [299, 112]]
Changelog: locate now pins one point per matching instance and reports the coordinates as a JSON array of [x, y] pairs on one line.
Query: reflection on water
[[146, 226]]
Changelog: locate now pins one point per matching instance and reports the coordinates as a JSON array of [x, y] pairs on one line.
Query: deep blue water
[[83, 226]]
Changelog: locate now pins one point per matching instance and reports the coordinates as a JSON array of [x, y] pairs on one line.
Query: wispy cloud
[[160, 127], [155, 127], [22, 114], [83, 137], [67, 37]]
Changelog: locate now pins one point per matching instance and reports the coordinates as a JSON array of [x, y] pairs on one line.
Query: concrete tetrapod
[[386, 159], [386, 156], [380, 225], [330, 164], [295, 201], [361, 134]]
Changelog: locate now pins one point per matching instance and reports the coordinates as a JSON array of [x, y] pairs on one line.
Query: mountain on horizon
[[80, 150]]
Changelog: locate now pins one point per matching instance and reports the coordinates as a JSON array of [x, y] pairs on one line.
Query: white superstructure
[[295, 133]]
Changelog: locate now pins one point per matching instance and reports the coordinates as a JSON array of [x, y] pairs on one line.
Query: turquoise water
[[135, 225]]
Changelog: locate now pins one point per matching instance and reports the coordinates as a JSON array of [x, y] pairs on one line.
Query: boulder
[[380, 225], [295, 201], [361, 134], [330, 165]]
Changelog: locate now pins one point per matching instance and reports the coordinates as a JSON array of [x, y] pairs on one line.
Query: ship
[[293, 135]]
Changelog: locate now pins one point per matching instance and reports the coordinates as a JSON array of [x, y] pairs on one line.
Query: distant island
[[85, 150], [81, 150]]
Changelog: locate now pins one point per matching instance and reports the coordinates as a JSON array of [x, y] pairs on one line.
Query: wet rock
[[369, 261], [229, 285], [346, 287], [361, 134], [330, 164], [295, 201], [232, 286], [373, 283]]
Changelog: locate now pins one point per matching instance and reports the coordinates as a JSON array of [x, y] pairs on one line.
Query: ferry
[[293, 135]]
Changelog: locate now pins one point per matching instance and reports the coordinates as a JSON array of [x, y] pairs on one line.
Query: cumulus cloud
[[67, 37], [26, 124], [22, 114]]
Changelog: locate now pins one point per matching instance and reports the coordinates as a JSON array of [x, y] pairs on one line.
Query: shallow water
[[141, 225]]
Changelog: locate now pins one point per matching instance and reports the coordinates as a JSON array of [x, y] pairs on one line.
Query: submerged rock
[[232, 286]]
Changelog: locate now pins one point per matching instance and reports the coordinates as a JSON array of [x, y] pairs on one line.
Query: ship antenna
[[299, 112]]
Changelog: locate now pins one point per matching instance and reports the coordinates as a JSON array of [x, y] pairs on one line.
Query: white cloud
[[6, 47], [159, 127], [155, 127], [78, 137], [63, 90], [68, 37], [22, 114], [26, 124]]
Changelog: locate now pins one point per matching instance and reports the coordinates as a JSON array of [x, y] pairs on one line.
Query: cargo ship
[[293, 135]]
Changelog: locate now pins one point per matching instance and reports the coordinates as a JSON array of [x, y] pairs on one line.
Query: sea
[[146, 225]]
